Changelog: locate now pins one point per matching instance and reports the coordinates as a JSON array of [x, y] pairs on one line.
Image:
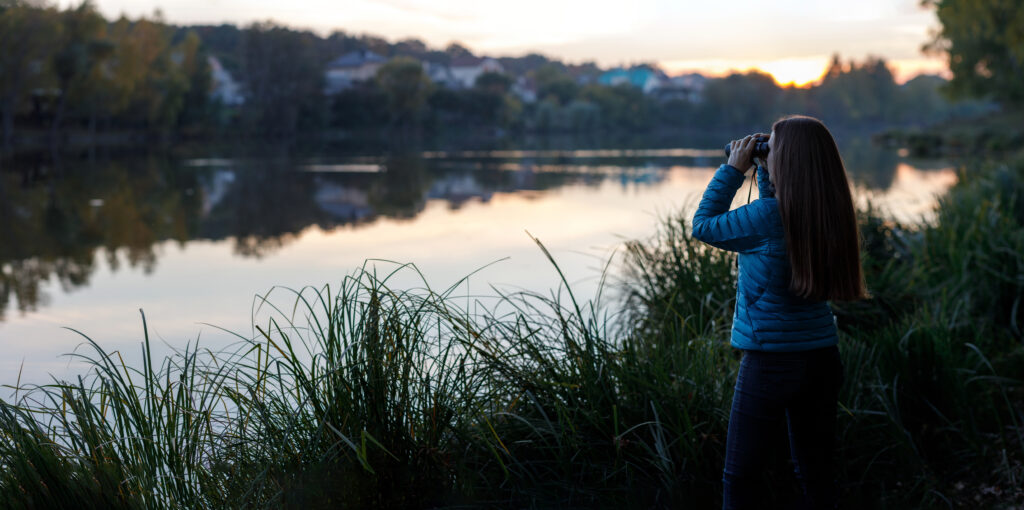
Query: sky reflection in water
[[193, 240]]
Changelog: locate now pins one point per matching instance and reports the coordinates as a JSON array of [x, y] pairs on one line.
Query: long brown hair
[[817, 211]]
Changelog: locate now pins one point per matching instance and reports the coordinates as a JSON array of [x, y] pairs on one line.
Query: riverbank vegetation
[[70, 76], [995, 133], [363, 395], [367, 395]]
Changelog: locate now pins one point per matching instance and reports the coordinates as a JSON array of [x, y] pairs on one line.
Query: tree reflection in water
[[54, 222], [58, 216]]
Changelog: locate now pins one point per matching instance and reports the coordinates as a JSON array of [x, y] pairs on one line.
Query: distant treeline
[[73, 70]]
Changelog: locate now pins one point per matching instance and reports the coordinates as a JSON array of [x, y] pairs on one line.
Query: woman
[[798, 248]]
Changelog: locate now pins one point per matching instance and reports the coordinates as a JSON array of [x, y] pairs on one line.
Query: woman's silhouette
[[798, 248]]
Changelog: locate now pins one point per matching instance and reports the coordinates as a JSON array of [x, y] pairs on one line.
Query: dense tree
[[494, 83], [196, 108], [857, 92], [455, 50], [147, 76], [221, 41], [621, 106], [520, 66], [741, 100], [26, 45], [376, 44], [555, 83], [984, 41], [407, 88], [83, 46], [410, 47], [361, 107], [127, 72], [283, 79], [496, 106]]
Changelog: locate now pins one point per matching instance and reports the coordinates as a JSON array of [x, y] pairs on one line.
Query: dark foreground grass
[[366, 396]]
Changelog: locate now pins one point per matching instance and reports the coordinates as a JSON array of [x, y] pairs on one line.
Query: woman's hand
[[741, 150]]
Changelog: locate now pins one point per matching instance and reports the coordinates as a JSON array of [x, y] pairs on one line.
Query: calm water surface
[[192, 238]]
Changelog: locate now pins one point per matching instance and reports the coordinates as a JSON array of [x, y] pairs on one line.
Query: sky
[[793, 40]]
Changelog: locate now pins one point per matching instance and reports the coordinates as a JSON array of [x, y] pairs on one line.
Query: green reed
[[600, 415], [364, 395], [117, 437], [936, 355]]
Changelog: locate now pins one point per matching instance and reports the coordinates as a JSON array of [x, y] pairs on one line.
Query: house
[[223, 86], [440, 74], [643, 78], [466, 69], [345, 204], [351, 68], [686, 87], [525, 88], [459, 189]]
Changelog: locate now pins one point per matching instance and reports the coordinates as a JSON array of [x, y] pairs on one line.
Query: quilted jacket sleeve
[[743, 229]]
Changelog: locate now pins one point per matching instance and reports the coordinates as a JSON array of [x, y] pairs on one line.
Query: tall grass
[[118, 437], [597, 419], [363, 395], [365, 398], [935, 399]]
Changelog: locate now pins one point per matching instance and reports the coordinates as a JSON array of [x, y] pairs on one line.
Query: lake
[[192, 235]]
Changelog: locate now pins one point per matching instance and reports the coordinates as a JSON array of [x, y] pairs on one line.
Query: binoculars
[[760, 149]]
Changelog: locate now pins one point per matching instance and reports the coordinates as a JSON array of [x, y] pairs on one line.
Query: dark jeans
[[800, 387]]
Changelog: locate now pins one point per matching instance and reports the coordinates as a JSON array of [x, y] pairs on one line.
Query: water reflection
[[54, 223], [60, 219], [869, 165]]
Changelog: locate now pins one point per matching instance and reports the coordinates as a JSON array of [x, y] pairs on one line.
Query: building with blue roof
[[643, 78]]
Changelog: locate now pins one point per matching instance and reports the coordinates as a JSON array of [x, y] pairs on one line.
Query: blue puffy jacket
[[767, 317]]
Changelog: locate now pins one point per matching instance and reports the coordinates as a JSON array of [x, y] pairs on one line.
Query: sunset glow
[[801, 72], [678, 36], [797, 72], [905, 69]]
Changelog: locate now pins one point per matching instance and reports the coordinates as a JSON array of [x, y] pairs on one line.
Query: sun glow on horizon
[[800, 72], [795, 72]]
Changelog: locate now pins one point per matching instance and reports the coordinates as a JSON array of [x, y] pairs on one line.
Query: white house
[[689, 87], [525, 88], [351, 68], [440, 74], [223, 87], [467, 69]]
